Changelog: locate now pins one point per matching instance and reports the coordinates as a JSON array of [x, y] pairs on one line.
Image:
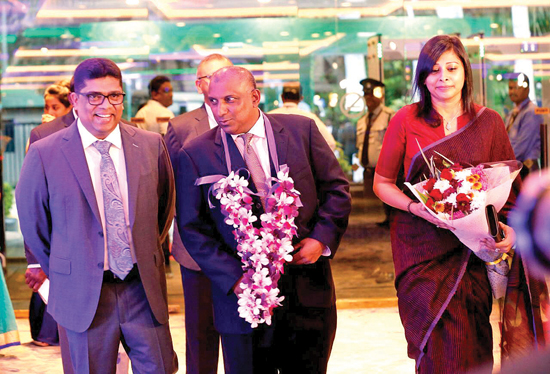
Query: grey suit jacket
[[181, 130], [40, 132], [61, 224]]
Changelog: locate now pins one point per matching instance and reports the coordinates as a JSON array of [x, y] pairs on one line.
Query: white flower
[[442, 185]]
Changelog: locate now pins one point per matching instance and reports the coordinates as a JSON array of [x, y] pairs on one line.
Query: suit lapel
[[202, 124], [132, 151], [281, 141], [74, 153]]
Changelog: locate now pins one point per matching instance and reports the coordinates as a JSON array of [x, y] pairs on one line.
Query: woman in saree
[[9, 335], [444, 295]]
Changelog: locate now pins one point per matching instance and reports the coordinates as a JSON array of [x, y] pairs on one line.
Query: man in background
[[160, 93], [523, 125], [371, 129], [291, 97], [202, 339]]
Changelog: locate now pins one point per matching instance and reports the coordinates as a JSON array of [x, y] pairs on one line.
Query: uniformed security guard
[[370, 133]]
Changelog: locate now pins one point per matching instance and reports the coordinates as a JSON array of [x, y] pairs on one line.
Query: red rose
[[436, 195], [462, 198], [429, 185], [446, 174], [430, 203]]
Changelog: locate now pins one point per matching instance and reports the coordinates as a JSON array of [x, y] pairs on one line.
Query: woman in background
[[8, 328], [444, 295], [56, 101]]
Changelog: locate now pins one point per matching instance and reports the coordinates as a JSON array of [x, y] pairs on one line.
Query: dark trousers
[[43, 326], [123, 315], [201, 338]]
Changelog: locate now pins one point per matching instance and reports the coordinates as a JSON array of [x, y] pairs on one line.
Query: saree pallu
[[443, 290], [8, 328]]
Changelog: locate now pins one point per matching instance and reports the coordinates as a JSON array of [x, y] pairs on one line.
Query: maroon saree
[[444, 295]]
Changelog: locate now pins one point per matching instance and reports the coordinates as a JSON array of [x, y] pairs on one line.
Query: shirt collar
[[377, 110], [290, 105], [209, 112], [257, 130], [523, 103], [152, 102], [88, 139]]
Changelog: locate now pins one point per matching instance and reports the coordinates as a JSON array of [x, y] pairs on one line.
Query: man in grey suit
[[202, 339], [95, 200]]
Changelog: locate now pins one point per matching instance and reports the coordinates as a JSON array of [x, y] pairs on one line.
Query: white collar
[[88, 139], [257, 130]]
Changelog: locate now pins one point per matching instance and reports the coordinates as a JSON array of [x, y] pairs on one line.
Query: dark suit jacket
[[61, 224], [42, 131], [181, 130], [324, 215]]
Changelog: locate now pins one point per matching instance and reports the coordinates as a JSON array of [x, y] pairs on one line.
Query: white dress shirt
[[93, 158], [259, 145], [211, 119]]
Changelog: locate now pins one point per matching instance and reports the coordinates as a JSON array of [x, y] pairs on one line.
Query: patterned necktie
[[512, 119], [365, 153], [254, 166], [118, 247]]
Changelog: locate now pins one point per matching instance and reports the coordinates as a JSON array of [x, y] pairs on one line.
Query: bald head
[[208, 66], [234, 99], [235, 73]]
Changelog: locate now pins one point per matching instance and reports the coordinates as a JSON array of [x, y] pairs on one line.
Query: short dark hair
[[156, 82], [94, 68], [430, 53], [515, 77], [291, 93]]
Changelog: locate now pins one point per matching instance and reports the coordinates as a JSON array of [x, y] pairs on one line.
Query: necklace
[[448, 124]]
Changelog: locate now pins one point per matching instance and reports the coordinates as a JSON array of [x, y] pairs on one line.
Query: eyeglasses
[[96, 98], [204, 77]]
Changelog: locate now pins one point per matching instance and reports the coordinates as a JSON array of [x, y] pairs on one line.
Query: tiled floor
[[367, 341]]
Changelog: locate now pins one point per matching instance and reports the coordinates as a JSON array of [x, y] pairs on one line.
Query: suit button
[[100, 233], [100, 265]]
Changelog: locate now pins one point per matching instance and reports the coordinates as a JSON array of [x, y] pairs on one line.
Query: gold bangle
[[499, 260]]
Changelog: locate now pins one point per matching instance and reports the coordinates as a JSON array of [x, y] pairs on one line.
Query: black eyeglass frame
[[104, 96]]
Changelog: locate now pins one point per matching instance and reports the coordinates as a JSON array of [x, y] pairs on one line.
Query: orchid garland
[[263, 250]]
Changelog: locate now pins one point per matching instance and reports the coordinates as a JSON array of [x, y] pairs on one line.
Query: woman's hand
[[420, 210], [503, 246]]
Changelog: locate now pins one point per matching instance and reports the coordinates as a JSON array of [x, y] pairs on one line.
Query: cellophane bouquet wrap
[[458, 196]]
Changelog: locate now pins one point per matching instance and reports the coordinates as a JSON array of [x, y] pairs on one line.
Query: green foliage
[[8, 198], [343, 160]]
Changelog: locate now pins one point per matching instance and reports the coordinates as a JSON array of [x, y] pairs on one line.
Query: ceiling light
[[284, 33], [44, 50], [393, 46], [132, 2], [346, 4], [216, 35], [180, 24], [315, 35], [494, 25]]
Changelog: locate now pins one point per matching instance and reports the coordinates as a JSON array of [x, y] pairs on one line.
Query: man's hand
[[309, 251], [34, 277]]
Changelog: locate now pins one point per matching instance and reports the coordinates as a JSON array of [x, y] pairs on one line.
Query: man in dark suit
[[202, 339], [95, 199], [301, 336]]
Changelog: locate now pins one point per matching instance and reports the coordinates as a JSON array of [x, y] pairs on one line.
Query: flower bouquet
[[458, 196], [263, 250]]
